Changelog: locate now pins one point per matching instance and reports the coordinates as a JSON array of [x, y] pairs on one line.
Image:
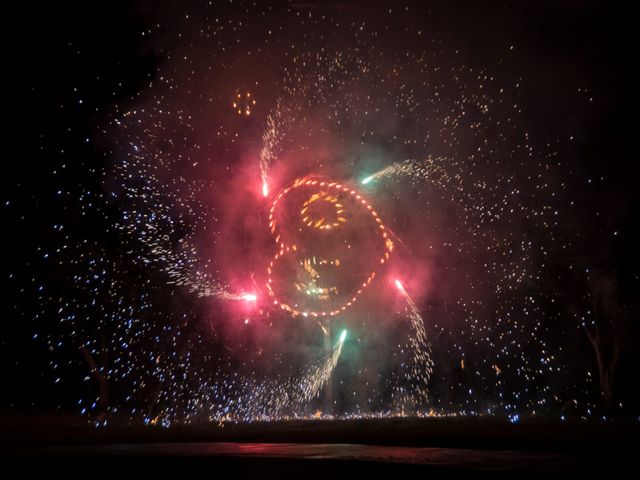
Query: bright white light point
[[367, 180], [265, 189], [249, 297], [399, 285], [343, 335]]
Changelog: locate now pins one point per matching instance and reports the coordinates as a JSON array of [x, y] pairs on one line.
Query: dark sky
[[65, 67]]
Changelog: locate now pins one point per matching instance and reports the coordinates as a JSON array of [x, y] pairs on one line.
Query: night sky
[[492, 141]]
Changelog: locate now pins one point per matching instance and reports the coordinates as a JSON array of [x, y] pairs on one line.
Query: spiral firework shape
[[331, 243]]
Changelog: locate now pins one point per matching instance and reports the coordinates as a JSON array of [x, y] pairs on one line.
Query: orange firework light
[[243, 103], [331, 242]]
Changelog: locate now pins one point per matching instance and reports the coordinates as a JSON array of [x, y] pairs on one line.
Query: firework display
[[324, 268], [268, 189], [243, 103]]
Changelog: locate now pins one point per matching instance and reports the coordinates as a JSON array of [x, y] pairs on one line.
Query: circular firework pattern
[[331, 243], [314, 212]]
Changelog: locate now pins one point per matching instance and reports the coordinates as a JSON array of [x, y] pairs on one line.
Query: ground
[[447, 447]]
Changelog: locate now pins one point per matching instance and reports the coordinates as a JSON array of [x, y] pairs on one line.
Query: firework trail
[[318, 375], [249, 398], [431, 170], [420, 367], [272, 137], [279, 396]]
